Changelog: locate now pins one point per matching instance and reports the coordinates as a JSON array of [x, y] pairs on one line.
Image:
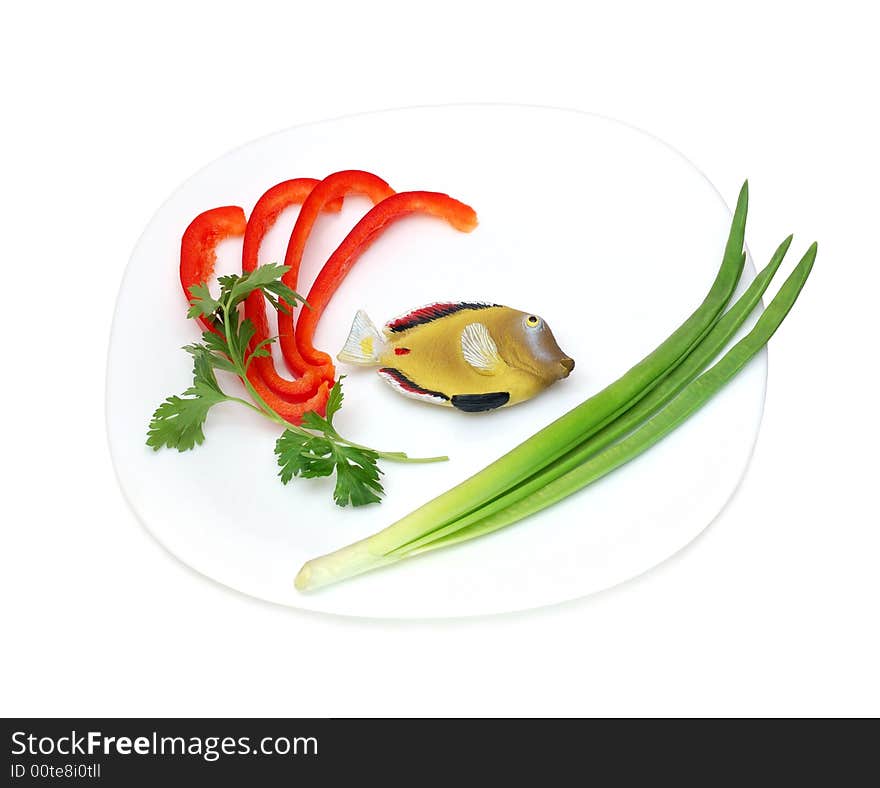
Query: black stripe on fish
[[427, 314], [477, 403], [407, 385]]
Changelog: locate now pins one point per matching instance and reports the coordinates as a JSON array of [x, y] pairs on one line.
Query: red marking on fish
[[401, 351]]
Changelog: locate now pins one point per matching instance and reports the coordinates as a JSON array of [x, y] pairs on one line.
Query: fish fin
[[365, 345], [408, 388], [431, 312], [480, 350], [478, 403]]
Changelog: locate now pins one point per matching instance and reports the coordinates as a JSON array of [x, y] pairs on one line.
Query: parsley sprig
[[314, 449]]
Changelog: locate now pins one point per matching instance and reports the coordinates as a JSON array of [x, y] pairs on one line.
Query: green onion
[[361, 556], [720, 334], [691, 399], [551, 443]]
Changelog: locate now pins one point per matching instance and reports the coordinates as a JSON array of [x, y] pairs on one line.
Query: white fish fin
[[365, 345], [480, 350], [397, 380]]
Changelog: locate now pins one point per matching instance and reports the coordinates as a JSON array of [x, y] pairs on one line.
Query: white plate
[[607, 232]]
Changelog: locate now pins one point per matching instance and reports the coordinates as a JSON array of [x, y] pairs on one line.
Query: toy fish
[[466, 355]]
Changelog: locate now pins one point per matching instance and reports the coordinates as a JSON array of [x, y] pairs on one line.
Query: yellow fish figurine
[[466, 355]]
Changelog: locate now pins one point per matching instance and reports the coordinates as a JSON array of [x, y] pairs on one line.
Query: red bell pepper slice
[[265, 212], [198, 256], [330, 190], [462, 217], [198, 247]]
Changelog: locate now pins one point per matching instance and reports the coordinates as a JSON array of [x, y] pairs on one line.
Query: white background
[[772, 611]]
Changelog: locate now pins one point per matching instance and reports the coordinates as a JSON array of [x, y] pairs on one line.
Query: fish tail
[[365, 345]]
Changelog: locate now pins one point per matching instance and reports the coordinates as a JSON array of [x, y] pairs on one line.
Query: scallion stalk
[[550, 443], [694, 363], [696, 394], [691, 398]]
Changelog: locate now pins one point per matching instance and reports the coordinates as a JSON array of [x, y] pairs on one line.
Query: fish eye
[[533, 321]]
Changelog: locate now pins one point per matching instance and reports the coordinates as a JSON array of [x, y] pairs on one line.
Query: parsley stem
[[245, 402], [393, 456], [237, 358]]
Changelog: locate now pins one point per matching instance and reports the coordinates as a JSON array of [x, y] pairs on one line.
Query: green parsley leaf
[[218, 360], [357, 477], [312, 421], [204, 380], [244, 335], [202, 303], [260, 350], [334, 400], [177, 422], [357, 472], [281, 290], [258, 279], [308, 456]]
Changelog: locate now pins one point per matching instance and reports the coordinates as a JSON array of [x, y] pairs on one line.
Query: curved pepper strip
[[462, 217], [198, 247], [265, 212], [198, 256], [330, 190]]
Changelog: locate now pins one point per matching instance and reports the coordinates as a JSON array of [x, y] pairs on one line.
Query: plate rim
[[521, 610]]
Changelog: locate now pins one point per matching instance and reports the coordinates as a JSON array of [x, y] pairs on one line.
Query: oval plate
[[607, 232]]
